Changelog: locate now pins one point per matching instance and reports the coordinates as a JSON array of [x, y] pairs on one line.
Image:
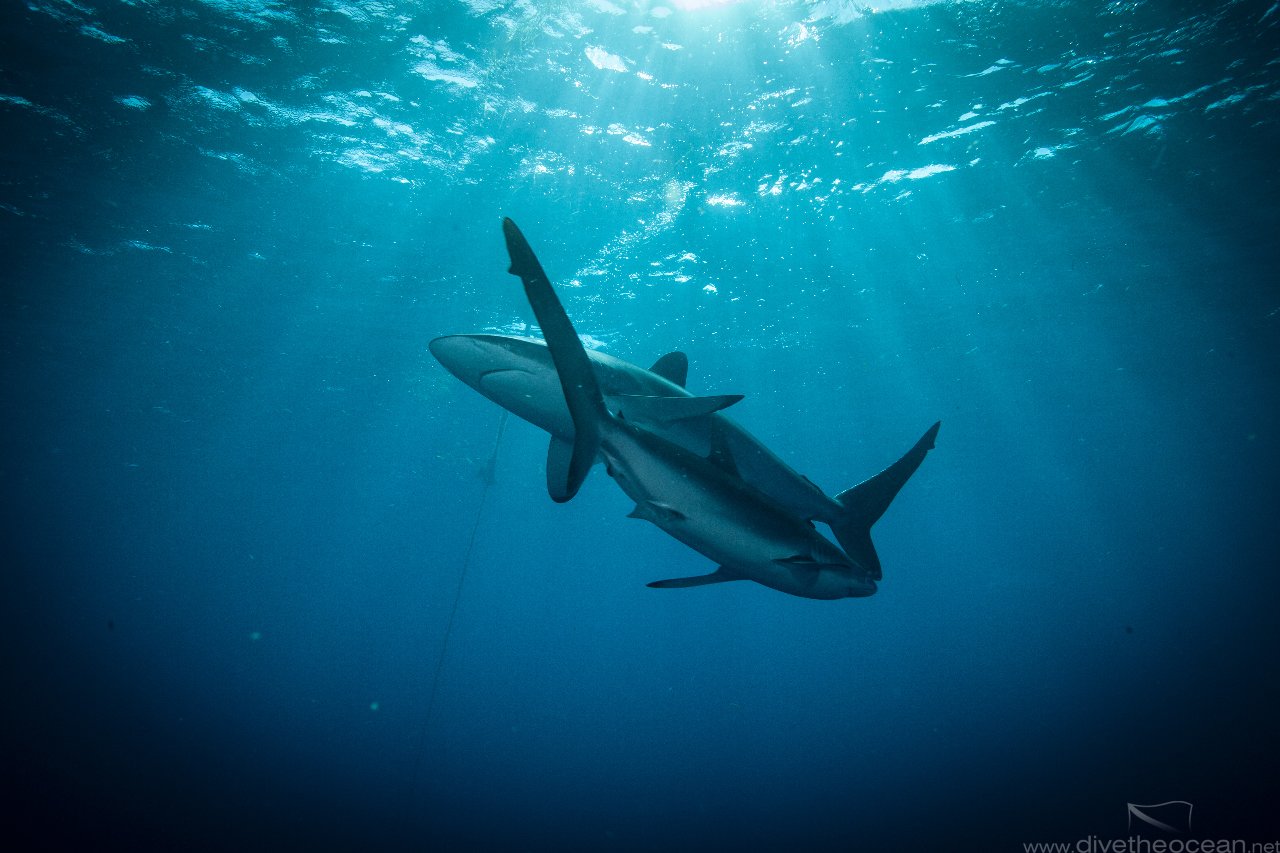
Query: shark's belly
[[531, 396], [740, 533], [824, 584], [752, 542]]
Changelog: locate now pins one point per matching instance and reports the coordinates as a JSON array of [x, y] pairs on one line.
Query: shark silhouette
[[518, 374], [702, 501]]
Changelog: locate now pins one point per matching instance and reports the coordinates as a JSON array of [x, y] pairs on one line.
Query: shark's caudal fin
[[673, 367], [863, 505], [566, 470]]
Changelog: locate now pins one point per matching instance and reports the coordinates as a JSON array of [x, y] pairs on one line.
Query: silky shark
[[518, 374], [702, 501]]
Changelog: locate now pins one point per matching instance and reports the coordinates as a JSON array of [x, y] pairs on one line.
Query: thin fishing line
[[488, 476]]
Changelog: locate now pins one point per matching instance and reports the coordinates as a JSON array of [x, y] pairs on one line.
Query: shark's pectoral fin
[[662, 410], [673, 367], [720, 575], [559, 465], [657, 512], [573, 366]]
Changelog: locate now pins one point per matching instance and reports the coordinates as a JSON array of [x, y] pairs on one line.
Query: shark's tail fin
[[863, 505], [567, 466]]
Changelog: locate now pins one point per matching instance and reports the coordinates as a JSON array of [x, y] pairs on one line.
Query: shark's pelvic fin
[[655, 511], [577, 379], [662, 410], [863, 505], [673, 367], [720, 575]]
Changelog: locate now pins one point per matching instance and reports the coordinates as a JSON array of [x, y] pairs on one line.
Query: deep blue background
[[238, 493]]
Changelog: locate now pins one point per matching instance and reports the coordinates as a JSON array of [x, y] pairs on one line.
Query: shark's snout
[[458, 354], [472, 357]]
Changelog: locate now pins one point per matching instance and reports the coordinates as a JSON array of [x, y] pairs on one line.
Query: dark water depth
[[240, 498]]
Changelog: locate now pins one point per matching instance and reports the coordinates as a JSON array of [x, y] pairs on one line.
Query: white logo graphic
[[1173, 816]]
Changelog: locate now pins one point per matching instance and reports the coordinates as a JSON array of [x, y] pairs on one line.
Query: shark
[[702, 501], [518, 373]]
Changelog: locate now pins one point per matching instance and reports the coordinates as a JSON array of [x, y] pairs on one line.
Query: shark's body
[[519, 374], [702, 501]]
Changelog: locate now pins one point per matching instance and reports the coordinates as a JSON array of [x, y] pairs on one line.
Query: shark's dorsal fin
[[673, 367], [662, 410]]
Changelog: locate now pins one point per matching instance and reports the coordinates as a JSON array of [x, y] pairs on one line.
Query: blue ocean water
[[275, 580]]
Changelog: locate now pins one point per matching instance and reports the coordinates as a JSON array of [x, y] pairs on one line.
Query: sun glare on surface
[[695, 5]]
